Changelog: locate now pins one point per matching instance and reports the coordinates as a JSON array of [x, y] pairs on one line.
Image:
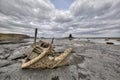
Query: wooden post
[[35, 35], [52, 41]]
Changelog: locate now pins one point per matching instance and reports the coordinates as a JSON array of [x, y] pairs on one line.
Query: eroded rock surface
[[88, 61]]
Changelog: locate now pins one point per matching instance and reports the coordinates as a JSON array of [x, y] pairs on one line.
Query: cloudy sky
[[58, 18]]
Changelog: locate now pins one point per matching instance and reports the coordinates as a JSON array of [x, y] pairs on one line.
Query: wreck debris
[[55, 78], [42, 55], [52, 41], [35, 35], [110, 43]]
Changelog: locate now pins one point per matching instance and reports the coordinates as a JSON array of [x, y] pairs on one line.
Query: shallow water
[[103, 41]]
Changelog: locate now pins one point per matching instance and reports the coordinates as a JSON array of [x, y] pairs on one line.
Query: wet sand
[[88, 61]]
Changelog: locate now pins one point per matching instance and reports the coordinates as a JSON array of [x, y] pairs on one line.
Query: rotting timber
[[43, 55]]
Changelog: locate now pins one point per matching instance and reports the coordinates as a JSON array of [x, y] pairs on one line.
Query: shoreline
[[88, 60]]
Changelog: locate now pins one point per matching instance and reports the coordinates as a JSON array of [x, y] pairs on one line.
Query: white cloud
[[62, 16], [98, 15], [92, 8], [83, 18]]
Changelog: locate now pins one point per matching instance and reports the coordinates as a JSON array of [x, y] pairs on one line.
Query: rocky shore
[[88, 61]]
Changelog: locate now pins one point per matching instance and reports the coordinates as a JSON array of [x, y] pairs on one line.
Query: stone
[[4, 63]]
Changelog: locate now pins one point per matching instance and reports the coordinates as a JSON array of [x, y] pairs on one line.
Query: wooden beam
[[35, 35]]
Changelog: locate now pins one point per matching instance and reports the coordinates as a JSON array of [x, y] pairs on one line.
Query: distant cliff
[[9, 36]]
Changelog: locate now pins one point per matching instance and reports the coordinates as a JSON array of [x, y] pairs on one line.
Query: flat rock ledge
[[88, 61]]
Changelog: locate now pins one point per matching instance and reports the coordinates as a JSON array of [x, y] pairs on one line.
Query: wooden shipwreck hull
[[42, 55]]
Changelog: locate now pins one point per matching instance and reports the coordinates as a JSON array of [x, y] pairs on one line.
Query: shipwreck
[[42, 55]]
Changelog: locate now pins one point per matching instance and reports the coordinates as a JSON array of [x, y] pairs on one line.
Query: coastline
[[88, 60]]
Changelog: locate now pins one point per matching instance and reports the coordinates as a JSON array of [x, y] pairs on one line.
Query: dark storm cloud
[[62, 20]]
